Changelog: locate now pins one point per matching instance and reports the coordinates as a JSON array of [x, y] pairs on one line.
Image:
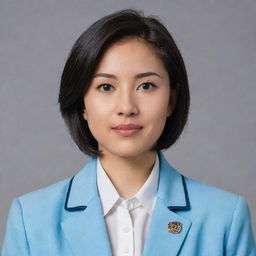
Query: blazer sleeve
[[15, 241], [240, 239]]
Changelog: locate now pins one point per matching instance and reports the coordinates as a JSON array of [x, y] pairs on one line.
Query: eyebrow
[[140, 75]]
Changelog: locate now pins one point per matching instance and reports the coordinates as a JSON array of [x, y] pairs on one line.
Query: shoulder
[[212, 202], [198, 190], [50, 197], [50, 202], [52, 189], [225, 213], [200, 197], [31, 213]]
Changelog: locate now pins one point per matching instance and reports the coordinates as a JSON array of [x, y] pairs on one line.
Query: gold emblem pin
[[174, 227]]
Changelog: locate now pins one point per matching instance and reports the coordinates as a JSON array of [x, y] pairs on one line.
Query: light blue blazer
[[66, 219]]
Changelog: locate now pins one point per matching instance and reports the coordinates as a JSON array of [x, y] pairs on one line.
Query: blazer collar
[[171, 186], [82, 187], [83, 222]]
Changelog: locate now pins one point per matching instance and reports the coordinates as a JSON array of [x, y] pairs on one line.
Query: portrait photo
[[127, 128]]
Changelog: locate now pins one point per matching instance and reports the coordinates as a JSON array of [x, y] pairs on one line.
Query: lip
[[127, 130], [127, 127], [127, 133]]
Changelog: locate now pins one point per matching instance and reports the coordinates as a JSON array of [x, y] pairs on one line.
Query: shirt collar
[[145, 196]]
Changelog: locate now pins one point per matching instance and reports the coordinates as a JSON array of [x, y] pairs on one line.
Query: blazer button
[[174, 227]]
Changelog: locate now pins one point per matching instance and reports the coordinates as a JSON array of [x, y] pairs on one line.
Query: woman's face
[[130, 86]]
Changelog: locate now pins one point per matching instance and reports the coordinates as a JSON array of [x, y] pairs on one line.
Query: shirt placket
[[126, 233]]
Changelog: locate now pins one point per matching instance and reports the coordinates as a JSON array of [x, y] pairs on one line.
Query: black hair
[[86, 54]]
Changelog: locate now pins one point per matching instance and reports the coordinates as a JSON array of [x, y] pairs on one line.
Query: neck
[[128, 174]]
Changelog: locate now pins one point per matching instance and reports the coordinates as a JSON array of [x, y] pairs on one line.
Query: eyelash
[[147, 83]]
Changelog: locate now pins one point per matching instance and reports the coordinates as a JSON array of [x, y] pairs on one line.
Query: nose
[[127, 104]]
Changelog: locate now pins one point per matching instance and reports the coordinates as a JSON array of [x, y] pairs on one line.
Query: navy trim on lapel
[[82, 187], [72, 209], [172, 189], [187, 206]]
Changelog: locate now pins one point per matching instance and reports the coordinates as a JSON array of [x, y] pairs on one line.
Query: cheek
[[95, 107], [159, 115], [95, 119], [157, 107], [96, 111]]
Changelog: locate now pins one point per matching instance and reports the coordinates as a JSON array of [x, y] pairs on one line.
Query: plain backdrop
[[218, 42]]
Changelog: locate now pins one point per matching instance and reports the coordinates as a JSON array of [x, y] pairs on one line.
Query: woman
[[124, 96]]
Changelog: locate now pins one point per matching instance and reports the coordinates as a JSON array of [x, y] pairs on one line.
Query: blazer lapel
[[83, 222], [171, 196]]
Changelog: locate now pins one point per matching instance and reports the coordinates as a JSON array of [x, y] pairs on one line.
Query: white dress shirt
[[127, 220]]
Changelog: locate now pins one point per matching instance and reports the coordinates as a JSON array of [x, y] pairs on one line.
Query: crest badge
[[174, 227]]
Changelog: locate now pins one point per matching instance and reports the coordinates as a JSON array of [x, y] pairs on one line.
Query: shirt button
[[125, 229], [130, 206], [126, 250]]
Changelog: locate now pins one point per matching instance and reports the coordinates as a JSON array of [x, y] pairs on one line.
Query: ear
[[169, 110], [85, 114], [172, 103]]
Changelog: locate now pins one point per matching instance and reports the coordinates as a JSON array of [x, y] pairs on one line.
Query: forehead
[[130, 54]]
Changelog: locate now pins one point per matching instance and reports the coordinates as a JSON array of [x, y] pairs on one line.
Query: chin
[[126, 153]]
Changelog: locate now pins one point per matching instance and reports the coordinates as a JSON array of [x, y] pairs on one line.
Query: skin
[[124, 99]]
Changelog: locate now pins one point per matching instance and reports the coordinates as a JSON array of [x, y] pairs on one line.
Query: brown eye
[[147, 86], [105, 87]]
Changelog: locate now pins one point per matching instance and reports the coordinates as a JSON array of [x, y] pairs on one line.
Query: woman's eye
[[108, 87], [147, 86], [105, 87]]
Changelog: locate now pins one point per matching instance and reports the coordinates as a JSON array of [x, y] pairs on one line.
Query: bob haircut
[[85, 56]]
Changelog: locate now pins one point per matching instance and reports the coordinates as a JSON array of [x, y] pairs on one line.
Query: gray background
[[218, 42]]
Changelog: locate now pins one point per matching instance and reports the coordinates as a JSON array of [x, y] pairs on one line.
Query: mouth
[[127, 132], [127, 126]]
